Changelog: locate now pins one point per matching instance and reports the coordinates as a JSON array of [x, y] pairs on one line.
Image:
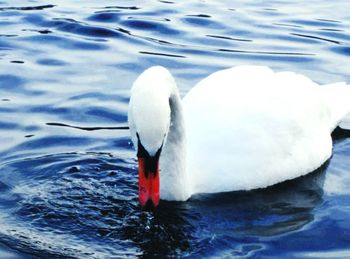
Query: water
[[72, 192]]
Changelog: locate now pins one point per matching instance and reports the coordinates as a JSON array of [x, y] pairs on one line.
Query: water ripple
[[149, 25], [315, 37], [162, 54], [65, 42], [27, 8], [105, 16]]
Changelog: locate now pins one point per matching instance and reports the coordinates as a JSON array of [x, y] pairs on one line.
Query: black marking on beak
[[151, 161]]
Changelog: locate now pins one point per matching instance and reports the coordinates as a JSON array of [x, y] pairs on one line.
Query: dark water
[[72, 192]]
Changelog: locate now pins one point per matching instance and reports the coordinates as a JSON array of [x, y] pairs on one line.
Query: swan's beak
[[148, 181]]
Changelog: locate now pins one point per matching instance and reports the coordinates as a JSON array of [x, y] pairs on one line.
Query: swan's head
[[149, 121]]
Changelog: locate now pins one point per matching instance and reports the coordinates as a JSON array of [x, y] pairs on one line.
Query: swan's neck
[[174, 184]]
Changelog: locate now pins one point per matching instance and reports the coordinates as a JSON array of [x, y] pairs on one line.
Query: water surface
[[72, 191]]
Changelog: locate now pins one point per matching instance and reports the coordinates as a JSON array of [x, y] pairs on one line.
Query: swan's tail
[[337, 97], [345, 123]]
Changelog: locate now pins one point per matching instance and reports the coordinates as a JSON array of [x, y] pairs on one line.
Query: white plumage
[[241, 128]]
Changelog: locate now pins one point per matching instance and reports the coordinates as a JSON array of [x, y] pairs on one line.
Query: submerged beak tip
[[149, 205]]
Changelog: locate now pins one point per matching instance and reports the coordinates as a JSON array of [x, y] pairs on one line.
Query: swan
[[241, 128]]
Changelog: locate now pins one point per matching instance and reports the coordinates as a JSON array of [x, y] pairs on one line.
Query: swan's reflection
[[279, 209], [178, 227]]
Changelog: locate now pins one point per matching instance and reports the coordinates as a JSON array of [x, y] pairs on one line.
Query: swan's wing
[[248, 127]]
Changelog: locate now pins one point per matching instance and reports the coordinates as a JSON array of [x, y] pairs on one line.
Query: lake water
[[72, 192]]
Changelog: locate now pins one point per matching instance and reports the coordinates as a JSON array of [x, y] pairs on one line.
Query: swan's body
[[238, 129]]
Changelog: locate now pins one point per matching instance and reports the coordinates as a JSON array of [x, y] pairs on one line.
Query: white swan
[[241, 128]]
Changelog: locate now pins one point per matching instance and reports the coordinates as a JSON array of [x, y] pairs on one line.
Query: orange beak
[[148, 182]]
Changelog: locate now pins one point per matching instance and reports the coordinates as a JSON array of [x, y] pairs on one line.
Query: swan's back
[[248, 127]]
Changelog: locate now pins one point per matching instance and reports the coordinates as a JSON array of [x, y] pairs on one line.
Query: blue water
[[72, 192]]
